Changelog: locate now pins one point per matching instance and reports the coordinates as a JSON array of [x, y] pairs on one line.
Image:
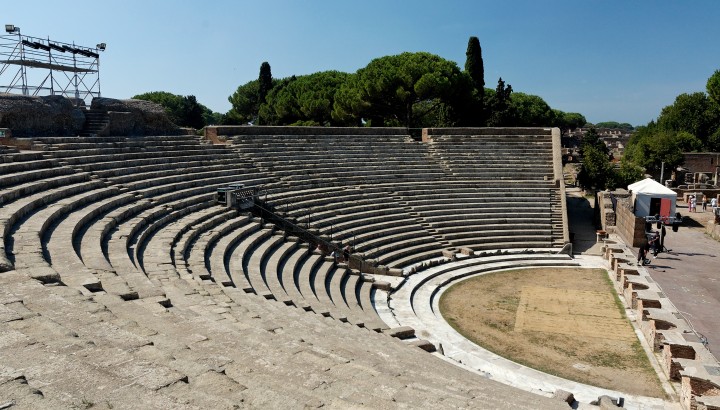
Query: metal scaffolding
[[36, 66]]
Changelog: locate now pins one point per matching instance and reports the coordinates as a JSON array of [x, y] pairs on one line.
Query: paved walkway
[[689, 274]]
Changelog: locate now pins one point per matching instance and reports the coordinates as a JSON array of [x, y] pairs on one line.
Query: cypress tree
[[474, 64], [476, 70], [265, 81]]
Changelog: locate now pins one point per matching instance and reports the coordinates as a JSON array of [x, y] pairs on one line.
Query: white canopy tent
[[649, 197]]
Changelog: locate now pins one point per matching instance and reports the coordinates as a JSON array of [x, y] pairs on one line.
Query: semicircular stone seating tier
[[415, 303], [126, 228]]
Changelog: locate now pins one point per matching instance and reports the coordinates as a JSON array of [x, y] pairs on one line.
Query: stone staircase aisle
[[95, 122]]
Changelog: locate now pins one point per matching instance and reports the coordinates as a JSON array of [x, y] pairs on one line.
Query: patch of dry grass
[[568, 322]]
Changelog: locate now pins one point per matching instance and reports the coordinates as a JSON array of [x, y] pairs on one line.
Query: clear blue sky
[[609, 60]]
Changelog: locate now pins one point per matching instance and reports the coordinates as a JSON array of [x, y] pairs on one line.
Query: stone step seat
[[96, 220], [106, 152], [421, 198], [393, 249], [175, 177], [122, 226], [489, 143], [353, 170], [361, 223], [130, 156], [10, 153], [344, 288], [24, 161], [328, 206], [335, 288], [275, 274], [206, 258], [62, 177], [406, 251], [290, 275], [349, 138], [334, 156], [15, 211], [290, 159], [512, 202], [299, 182], [463, 190], [483, 223], [493, 173], [464, 151], [173, 190], [245, 239], [254, 248], [129, 165], [302, 271], [456, 213], [498, 151], [121, 256], [127, 175], [220, 258], [391, 237], [319, 277], [519, 231], [346, 161], [85, 145], [145, 236], [335, 216], [324, 146], [520, 169], [255, 270], [161, 257], [192, 227], [114, 169], [29, 235], [310, 273], [108, 139], [22, 177], [363, 176], [373, 230], [507, 243], [334, 199], [416, 257], [364, 293]]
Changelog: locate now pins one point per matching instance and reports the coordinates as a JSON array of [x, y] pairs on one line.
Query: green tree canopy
[[184, 111], [693, 113], [596, 171], [245, 103], [307, 99], [615, 125], [499, 104], [568, 120], [713, 87], [402, 90], [530, 111]]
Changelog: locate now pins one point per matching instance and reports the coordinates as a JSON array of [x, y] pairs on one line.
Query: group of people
[[692, 203]]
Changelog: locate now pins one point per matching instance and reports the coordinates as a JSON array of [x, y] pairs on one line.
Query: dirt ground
[[566, 322]]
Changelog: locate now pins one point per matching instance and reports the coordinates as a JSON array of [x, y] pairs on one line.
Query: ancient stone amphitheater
[[126, 285]]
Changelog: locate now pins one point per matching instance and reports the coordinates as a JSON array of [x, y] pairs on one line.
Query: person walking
[[704, 203], [642, 253], [713, 204], [693, 203]]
